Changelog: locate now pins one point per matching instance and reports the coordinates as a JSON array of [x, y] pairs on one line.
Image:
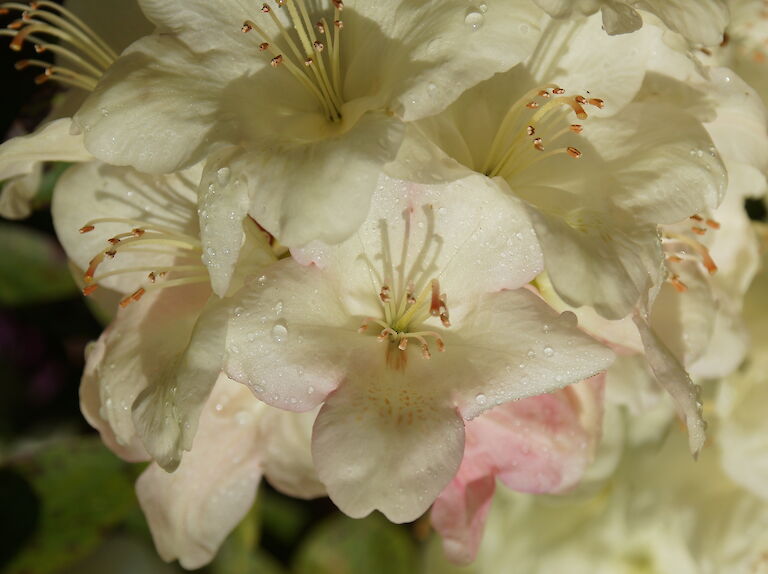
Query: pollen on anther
[[573, 152], [87, 229], [338, 4], [135, 296], [532, 105], [308, 62], [678, 284], [246, 28], [558, 91], [699, 230], [713, 224], [265, 8], [530, 130], [339, 24], [264, 46], [577, 128], [538, 143], [319, 46], [89, 289], [320, 27], [276, 61], [597, 102]]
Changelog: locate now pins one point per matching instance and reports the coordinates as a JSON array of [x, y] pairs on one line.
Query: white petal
[[512, 346], [441, 49], [321, 190], [676, 381], [191, 510], [382, 442], [17, 194], [166, 412], [619, 18], [704, 25], [223, 210], [467, 234], [290, 337], [21, 161], [153, 110], [132, 354], [287, 453]]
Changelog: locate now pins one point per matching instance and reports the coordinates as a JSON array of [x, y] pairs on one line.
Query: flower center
[[314, 59], [682, 246], [151, 239], [409, 293], [83, 55], [534, 129]]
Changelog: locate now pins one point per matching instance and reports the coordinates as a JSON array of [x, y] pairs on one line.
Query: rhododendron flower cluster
[[390, 251]]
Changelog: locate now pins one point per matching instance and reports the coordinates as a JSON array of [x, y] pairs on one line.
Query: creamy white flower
[[596, 187], [310, 131], [80, 57], [156, 363], [702, 24], [402, 331]]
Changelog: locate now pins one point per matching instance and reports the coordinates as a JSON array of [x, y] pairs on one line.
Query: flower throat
[[315, 60]]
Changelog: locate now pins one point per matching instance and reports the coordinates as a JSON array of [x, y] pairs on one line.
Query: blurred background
[[68, 502]]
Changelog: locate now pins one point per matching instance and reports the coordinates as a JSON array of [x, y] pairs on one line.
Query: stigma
[[535, 128], [83, 56], [310, 52]]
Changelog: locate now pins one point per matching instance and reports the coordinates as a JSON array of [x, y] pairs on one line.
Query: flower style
[[308, 96], [81, 56], [704, 25], [595, 188], [402, 331], [538, 445]]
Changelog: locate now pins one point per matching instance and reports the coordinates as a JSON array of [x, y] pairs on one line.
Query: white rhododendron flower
[[397, 251], [81, 55], [702, 24], [141, 237], [596, 187], [413, 324], [309, 95]]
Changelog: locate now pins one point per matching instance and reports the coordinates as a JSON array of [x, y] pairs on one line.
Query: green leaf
[[33, 269], [240, 553], [342, 545], [84, 490]]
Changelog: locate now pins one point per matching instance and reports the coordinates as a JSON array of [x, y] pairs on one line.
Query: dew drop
[[474, 19], [531, 354], [481, 399], [279, 333], [223, 175], [310, 389], [278, 308], [549, 352], [431, 89]]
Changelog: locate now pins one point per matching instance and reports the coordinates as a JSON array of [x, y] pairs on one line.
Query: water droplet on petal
[[279, 333], [481, 399], [549, 352], [474, 19], [223, 175]]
